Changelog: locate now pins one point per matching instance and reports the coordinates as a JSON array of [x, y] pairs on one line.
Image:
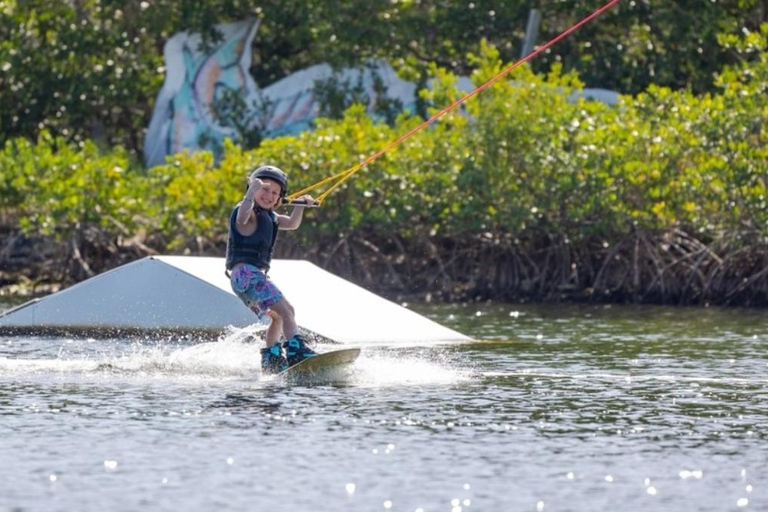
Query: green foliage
[[92, 70], [524, 156], [335, 96], [81, 73], [61, 189], [636, 44]]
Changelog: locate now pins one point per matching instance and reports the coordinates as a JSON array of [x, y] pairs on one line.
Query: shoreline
[[640, 268]]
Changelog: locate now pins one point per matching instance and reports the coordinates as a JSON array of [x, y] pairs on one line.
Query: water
[[557, 408]]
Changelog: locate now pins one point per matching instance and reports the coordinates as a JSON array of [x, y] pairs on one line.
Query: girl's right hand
[[254, 185]]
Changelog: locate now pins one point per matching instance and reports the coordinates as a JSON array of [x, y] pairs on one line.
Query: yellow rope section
[[342, 177], [345, 175]]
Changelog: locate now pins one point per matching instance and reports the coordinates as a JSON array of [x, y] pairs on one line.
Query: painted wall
[[183, 118]]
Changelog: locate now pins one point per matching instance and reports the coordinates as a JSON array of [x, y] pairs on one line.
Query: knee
[[285, 309]]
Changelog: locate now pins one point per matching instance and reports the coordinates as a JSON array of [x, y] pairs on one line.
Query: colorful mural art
[[186, 116], [183, 117]]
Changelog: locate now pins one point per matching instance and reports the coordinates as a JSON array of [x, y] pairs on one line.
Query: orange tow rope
[[345, 175]]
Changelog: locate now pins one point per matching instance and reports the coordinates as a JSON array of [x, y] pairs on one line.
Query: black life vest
[[255, 249]]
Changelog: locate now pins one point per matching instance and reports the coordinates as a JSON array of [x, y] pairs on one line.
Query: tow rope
[[343, 176]]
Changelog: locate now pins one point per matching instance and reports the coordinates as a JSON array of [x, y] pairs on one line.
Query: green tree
[[91, 70]]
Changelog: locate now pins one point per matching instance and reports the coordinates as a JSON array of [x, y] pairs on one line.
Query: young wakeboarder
[[253, 227]]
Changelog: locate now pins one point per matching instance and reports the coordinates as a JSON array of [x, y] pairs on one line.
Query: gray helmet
[[270, 172]]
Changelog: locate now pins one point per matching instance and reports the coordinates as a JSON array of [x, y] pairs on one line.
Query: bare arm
[[293, 221], [246, 218]]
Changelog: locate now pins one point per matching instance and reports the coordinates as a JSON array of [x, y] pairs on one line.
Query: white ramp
[[180, 293]]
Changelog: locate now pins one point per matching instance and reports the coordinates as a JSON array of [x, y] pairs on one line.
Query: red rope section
[[345, 175]]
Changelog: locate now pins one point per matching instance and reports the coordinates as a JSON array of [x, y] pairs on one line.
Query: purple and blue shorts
[[254, 288]]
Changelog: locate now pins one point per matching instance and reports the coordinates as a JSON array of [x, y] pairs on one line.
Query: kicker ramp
[[192, 294]]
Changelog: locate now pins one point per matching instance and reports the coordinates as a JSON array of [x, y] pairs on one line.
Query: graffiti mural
[[183, 117], [186, 116]]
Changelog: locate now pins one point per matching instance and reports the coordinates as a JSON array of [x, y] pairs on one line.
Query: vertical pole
[[531, 32]]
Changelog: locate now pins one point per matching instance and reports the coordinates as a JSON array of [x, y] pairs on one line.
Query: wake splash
[[426, 367], [235, 356]]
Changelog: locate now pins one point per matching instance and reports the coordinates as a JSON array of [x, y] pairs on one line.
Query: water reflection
[[573, 408]]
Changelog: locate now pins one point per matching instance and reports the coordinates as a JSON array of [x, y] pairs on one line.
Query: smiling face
[[268, 196]]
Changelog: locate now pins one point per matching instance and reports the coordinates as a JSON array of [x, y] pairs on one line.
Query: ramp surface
[[182, 293]]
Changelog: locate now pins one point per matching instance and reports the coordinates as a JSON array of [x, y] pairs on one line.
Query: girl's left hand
[[308, 199]]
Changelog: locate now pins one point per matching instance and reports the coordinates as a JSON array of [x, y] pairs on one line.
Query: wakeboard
[[324, 366]]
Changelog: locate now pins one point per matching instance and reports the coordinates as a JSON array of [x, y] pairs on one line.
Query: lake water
[[555, 408]]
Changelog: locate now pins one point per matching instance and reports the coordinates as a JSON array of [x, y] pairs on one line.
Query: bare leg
[[286, 313], [275, 329]]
